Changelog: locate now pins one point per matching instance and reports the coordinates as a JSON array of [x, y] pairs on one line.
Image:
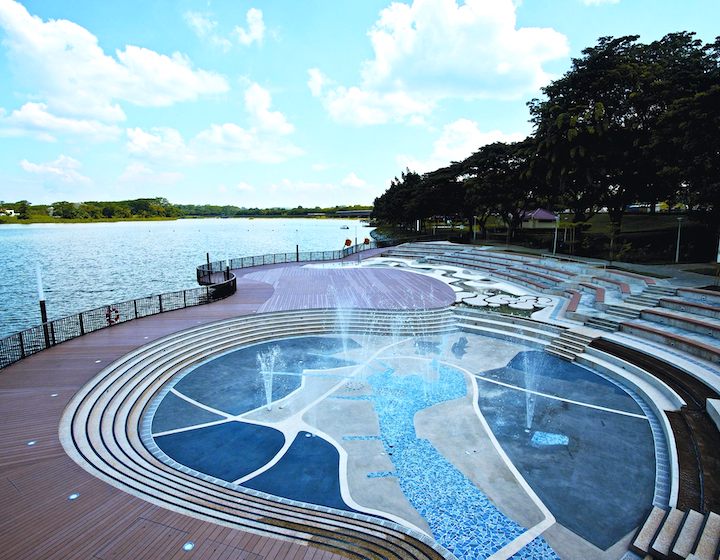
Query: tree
[[23, 210]]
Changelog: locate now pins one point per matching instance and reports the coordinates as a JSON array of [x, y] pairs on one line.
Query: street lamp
[[677, 246], [557, 222]]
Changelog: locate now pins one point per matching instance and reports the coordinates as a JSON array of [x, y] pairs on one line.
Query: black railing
[[31, 341], [209, 273]]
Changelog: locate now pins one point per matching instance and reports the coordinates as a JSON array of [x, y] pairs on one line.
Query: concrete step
[[685, 540], [604, 324], [568, 345], [660, 290], [643, 300], [709, 539], [623, 312], [664, 538], [575, 336], [646, 534], [560, 353]]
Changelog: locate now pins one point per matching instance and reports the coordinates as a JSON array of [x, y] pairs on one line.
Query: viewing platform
[[99, 489]]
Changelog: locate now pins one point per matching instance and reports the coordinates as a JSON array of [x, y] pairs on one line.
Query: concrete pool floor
[[335, 404]]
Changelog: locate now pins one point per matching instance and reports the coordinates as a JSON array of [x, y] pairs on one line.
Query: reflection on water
[[88, 265]]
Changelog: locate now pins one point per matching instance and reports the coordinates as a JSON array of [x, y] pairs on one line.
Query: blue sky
[[281, 103]]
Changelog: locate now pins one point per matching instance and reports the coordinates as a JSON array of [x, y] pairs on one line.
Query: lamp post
[[677, 246], [557, 222]]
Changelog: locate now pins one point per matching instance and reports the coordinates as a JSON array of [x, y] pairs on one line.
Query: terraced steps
[[526, 330], [569, 345], [622, 312], [603, 323], [674, 534], [100, 430]]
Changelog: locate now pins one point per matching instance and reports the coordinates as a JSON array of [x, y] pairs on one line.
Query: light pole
[[677, 246], [557, 222]]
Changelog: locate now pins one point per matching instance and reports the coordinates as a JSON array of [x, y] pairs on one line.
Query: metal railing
[[207, 273], [31, 341]]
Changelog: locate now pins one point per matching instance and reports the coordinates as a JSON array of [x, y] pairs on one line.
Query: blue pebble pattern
[[460, 516]]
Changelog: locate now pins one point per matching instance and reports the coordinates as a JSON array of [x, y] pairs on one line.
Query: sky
[[281, 103]]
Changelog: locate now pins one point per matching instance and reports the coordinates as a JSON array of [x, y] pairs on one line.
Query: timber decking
[[38, 521]]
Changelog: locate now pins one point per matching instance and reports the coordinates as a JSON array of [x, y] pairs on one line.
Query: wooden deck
[[39, 521]]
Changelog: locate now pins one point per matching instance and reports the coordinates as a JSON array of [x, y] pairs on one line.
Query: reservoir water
[[88, 265]]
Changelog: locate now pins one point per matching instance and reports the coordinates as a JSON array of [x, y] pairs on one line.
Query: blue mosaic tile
[[542, 439], [461, 518], [362, 438]]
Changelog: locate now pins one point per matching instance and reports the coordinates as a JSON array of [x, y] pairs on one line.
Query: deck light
[[188, 546], [31, 442], [74, 496]]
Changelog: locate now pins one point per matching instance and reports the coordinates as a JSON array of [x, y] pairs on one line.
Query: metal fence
[[30, 341], [208, 273]]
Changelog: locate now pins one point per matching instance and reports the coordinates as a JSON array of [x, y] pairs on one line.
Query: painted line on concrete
[[556, 398]]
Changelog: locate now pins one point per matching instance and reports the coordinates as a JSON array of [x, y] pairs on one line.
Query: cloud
[[204, 27], [431, 50], [352, 180], [64, 170], [255, 28], [139, 174], [457, 141], [63, 64], [34, 120], [264, 141], [257, 103]]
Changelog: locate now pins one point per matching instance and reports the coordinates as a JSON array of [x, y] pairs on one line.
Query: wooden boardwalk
[[37, 520]]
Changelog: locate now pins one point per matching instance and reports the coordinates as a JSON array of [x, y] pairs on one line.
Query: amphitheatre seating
[[575, 298], [622, 286], [647, 280], [708, 297], [681, 342], [688, 306], [597, 291], [685, 321]]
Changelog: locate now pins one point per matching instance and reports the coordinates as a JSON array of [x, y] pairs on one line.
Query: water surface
[[89, 265]]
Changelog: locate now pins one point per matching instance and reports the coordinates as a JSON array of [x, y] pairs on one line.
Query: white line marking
[[553, 397]]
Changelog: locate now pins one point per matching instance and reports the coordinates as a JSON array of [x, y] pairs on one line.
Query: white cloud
[[139, 174], [264, 141], [204, 26], [63, 64], [435, 49], [34, 120], [457, 141], [255, 28], [64, 170], [257, 103], [352, 180], [242, 186]]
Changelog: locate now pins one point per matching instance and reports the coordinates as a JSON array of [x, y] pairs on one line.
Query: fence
[[207, 273], [30, 341]]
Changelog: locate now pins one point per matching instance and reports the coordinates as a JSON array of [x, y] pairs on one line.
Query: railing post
[[82, 324], [52, 333], [297, 253], [22, 346], [184, 298], [160, 299], [207, 293], [135, 307]]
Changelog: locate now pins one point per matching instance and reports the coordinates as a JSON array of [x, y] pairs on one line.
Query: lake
[[88, 265]]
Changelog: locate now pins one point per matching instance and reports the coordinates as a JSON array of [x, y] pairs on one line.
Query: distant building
[[7, 212], [539, 219]]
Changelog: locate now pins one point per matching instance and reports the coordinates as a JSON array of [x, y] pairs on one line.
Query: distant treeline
[[143, 208]]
